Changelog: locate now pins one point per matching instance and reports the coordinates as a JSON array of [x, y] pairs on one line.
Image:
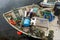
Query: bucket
[[26, 22], [48, 16]]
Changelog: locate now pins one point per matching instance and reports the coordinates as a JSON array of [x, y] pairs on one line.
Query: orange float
[[19, 33], [12, 22]]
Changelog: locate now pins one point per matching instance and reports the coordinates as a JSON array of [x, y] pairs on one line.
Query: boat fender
[[19, 33], [12, 22]]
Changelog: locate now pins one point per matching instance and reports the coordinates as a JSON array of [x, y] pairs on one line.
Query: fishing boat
[[48, 3], [29, 20]]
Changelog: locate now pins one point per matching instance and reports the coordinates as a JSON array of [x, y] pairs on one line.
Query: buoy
[[12, 22], [19, 33]]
